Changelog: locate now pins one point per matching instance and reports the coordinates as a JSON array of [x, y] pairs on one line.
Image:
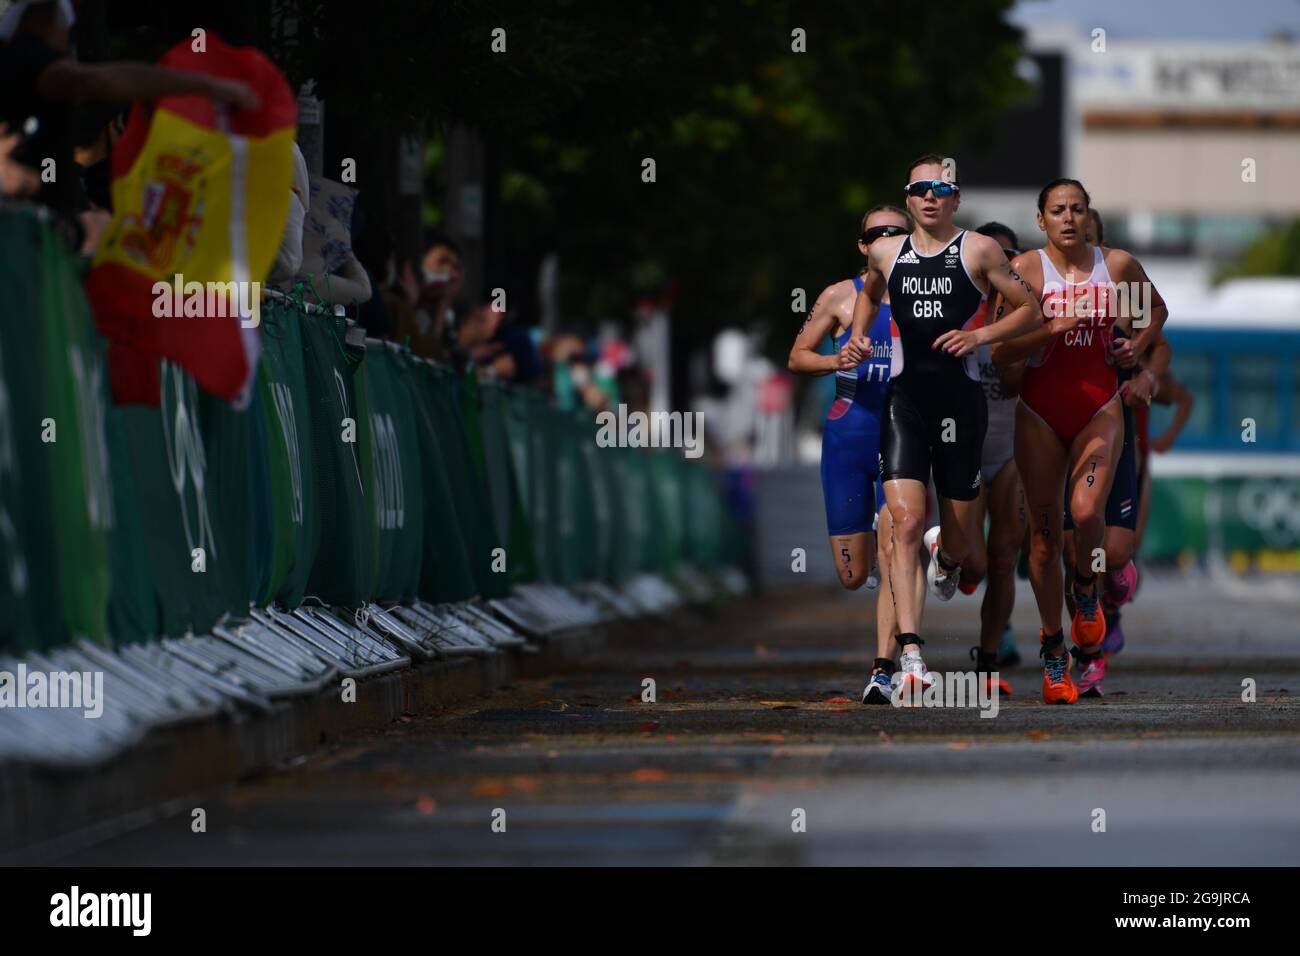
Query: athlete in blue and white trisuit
[[851, 442]]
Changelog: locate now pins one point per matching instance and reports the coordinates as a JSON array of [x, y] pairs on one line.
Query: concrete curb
[[44, 809]]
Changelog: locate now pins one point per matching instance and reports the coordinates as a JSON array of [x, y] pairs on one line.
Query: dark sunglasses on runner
[[880, 232], [923, 186], [1011, 253]]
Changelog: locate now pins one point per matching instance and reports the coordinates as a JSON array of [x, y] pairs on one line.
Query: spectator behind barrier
[[288, 261], [330, 271], [98, 128], [499, 346], [16, 179], [373, 247], [41, 82], [432, 291], [577, 377]]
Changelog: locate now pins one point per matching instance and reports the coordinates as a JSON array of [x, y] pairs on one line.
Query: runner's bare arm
[[1173, 391], [821, 322], [1011, 374], [867, 304], [1141, 388], [1019, 349], [1157, 360], [1146, 327], [1022, 314]]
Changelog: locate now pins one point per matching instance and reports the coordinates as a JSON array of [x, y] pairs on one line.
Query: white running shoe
[[913, 678], [942, 585], [878, 689]]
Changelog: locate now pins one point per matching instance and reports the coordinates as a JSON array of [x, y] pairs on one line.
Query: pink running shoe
[[1121, 584], [1092, 671], [1114, 640]]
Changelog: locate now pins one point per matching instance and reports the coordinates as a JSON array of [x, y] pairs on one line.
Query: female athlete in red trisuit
[[1069, 423]]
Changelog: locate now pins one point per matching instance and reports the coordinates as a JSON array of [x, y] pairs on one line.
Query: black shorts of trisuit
[[913, 426], [1122, 505]]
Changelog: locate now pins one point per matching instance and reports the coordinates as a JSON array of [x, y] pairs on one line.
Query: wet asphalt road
[[757, 726]]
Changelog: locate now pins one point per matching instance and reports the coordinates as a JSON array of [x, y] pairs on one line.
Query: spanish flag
[[200, 199]]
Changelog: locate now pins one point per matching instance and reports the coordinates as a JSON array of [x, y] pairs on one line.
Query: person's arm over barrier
[[66, 79]]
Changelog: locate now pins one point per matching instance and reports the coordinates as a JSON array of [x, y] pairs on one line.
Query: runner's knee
[[908, 529], [1002, 565], [1044, 549], [1087, 516], [1119, 550], [852, 578], [975, 568]]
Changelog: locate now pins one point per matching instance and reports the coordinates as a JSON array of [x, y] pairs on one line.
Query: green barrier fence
[[505, 484], [58, 510], [286, 405], [445, 573], [344, 570], [357, 473], [473, 513], [398, 477]]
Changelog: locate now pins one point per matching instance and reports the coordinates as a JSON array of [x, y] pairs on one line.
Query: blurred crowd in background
[[675, 294], [59, 113]]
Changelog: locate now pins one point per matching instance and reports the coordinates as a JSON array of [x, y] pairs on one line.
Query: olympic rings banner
[[1251, 521]]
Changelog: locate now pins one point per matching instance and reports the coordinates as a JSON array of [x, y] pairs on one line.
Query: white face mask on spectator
[[66, 16]]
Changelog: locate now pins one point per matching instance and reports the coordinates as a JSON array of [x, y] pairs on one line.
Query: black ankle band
[[1080, 580], [884, 664], [947, 563], [909, 638]]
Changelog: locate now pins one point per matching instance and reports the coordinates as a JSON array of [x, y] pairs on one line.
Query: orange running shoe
[[985, 667], [1058, 688], [1001, 688], [1088, 626]]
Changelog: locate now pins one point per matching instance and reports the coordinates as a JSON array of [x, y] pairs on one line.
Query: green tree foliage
[[765, 157], [1276, 253]]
